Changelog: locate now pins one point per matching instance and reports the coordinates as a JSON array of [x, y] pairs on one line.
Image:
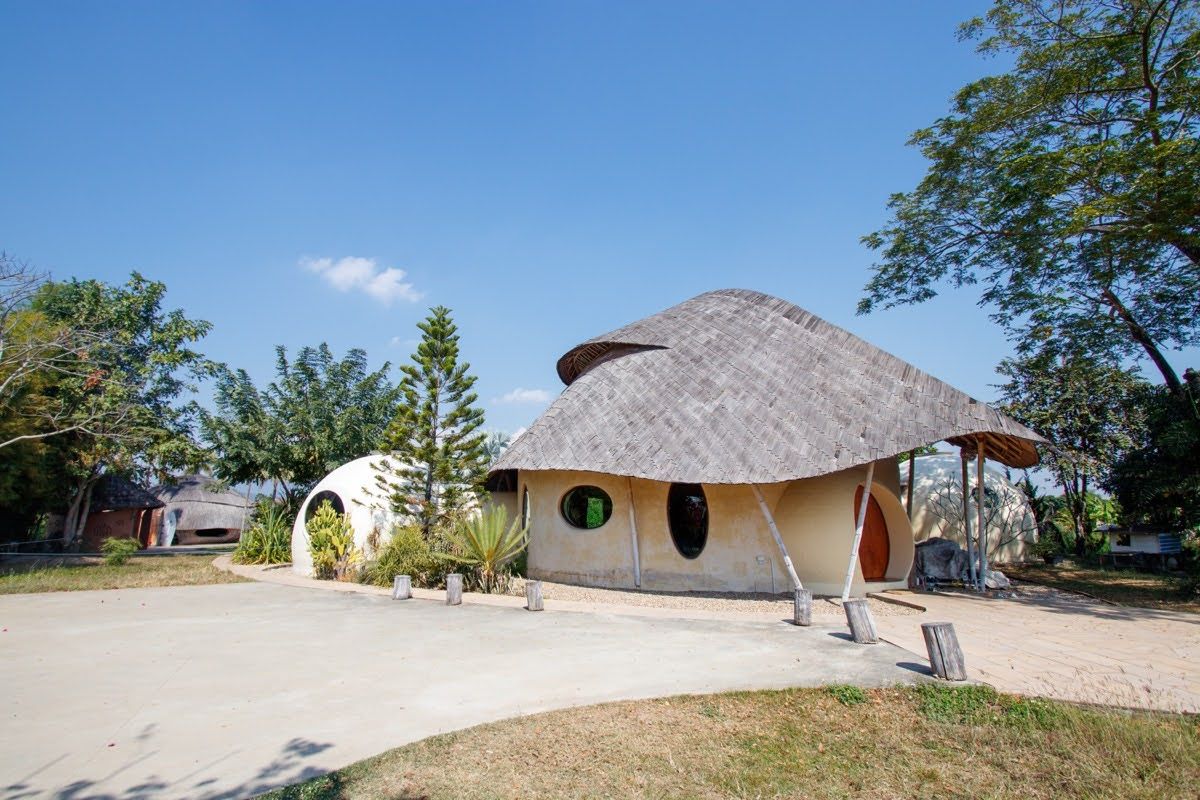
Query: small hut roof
[[114, 493], [735, 386], [202, 502]]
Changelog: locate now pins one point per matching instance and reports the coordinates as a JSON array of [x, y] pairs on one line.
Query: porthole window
[[321, 497], [687, 517], [586, 507]]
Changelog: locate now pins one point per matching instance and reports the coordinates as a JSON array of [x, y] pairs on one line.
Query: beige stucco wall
[[815, 518]]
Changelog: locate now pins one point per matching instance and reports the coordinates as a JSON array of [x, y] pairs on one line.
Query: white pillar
[[787, 560], [966, 516], [633, 539], [858, 530]]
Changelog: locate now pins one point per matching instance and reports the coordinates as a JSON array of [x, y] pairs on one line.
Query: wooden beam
[[633, 538], [912, 458], [981, 527], [787, 560], [966, 515], [858, 530]]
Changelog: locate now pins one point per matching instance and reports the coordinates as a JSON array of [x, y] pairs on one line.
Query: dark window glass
[[321, 497], [687, 515], [586, 507]]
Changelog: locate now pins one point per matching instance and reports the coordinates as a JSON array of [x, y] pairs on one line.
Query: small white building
[[1146, 541]]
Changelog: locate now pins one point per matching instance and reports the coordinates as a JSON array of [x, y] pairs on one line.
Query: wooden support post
[[637, 562], [401, 587], [533, 596], [802, 608], [945, 656], [912, 460], [862, 624], [966, 516], [981, 526], [860, 521], [454, 589], [787, 560]]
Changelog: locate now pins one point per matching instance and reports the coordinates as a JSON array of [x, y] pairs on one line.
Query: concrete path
[[225, 691], [1067, 646]]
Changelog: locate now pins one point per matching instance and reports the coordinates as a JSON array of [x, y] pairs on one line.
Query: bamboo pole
[[966, 515], [787, 560], [981, 527], [912, 458], [633, 537], [858, 530]]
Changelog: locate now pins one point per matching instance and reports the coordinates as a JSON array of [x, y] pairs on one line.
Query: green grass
[[927, 741], [1124, 587], [68, 574]]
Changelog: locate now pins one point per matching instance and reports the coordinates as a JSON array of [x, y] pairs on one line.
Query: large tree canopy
[[1068, 188]]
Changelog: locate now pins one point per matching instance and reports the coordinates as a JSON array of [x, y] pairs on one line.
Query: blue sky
[[547, 170]]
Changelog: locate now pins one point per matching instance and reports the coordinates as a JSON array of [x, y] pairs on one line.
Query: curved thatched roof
[[735, 386], [202, 502]]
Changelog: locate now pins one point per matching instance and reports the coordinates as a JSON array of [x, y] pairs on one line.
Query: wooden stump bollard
[[454, 589], [862, 624], [802, 608], [401, 587], [945, 656], [533, 596]]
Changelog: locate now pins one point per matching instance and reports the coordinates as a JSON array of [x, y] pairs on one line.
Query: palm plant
[[487, 543]]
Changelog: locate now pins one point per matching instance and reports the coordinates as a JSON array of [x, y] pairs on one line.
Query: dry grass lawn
[[79, 573], [1124, 587], [840, 742]]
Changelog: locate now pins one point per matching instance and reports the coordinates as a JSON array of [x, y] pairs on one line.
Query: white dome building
[[353, 489], [937, 506]]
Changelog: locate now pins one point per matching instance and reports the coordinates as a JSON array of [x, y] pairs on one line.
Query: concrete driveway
[[226, 691]]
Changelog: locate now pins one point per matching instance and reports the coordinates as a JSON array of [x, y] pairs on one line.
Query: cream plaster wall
[[815, 518]]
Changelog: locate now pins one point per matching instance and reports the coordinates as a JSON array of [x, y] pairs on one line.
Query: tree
[[318, 413], [1088, 411], [439, 459], [142, 366], [1068, 187], [1158, 482]]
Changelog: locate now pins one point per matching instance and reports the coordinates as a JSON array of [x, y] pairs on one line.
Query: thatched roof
[[202, 502], [114, 493], [735, 386]]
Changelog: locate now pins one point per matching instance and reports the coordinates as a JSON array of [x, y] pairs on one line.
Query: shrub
[[487, 544], [268, 538], [331, 543], [405, 553], [117, 551], [846, 694]]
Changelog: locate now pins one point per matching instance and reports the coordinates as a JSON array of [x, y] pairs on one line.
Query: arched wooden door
[[874, 550]]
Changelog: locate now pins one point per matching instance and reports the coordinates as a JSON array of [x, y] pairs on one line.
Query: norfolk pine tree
[[438, 459]]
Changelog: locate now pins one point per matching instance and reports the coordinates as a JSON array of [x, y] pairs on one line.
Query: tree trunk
[[1143, 338]]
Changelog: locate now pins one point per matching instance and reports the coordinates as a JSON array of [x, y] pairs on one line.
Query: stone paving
[[1065, 646]]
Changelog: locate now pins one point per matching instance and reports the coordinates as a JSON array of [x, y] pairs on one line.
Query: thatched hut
[[735, 442], [199, 510], [119, 509]]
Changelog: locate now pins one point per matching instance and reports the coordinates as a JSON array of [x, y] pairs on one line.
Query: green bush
[[405, 553], [331, 543], [487, 544], [846, 694], [268, 538], [117, 551]]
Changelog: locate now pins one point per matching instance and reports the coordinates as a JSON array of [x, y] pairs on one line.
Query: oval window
[[586, 507], [687, 516], [321, 497]]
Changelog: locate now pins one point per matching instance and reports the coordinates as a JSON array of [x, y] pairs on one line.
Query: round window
[[321, 497], [687, 516], [586, 507]]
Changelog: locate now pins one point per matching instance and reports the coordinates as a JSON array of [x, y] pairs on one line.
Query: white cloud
[[385, 284], [525, 397], [398, 341]]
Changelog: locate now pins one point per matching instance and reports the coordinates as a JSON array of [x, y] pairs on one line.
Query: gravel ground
[[706, 601]]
